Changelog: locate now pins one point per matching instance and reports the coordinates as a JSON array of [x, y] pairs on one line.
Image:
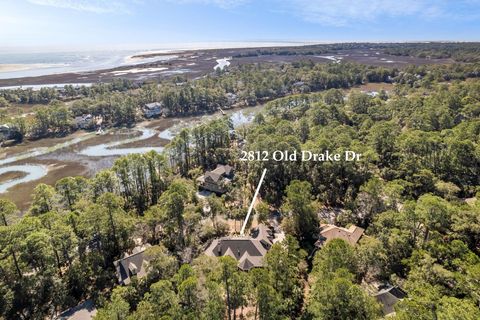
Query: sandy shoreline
[[14, 67], [27, 66]]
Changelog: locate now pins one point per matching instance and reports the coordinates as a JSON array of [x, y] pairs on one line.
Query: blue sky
[[151, 23]]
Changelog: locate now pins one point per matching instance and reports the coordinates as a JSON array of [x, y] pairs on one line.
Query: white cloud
[[326, 12], [224, 4], [346, 12], [97, 6], [126, 6]]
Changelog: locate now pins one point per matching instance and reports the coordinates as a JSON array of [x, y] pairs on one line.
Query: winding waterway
[[35, 152], [32, 171], [110, 149]]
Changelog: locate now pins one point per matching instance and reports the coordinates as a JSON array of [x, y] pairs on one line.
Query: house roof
[[388, 297], [84, 311], [330, 232], [217, 174], [230, 253], [210, 175], [223, 170], [84, 117], [153, 105], [264, 235], [245, 262], [133, 264], [249, 252]]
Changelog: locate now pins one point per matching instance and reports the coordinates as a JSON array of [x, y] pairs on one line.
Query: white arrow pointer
[[242, 232]]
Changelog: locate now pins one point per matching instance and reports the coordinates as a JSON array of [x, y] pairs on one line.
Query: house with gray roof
[[249, 251], [154, 109], [133, 264], [8, 132], [388, 296], [84, 311], [216, 180], [85, 121]]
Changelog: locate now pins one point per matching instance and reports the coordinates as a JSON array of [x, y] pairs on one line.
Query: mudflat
[[68, 161], [197, 63], [11, 175]]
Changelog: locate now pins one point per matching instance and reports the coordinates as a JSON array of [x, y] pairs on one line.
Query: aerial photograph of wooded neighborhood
[[239, 160]]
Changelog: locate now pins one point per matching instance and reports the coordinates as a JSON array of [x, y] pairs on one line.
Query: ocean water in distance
[[32, 64], [18, 65]]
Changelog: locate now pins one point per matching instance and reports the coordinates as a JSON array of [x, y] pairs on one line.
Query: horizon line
[[201, 45]]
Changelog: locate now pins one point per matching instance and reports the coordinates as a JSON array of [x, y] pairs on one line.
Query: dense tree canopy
[[414, 190]]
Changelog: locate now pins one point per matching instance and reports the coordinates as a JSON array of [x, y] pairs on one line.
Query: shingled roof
[[212, 176], [388, 297], [216, 180], [264, 235], [215, 175], [248, 251], [131, 265], [153, 105], [329, 232], [223, 170]]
